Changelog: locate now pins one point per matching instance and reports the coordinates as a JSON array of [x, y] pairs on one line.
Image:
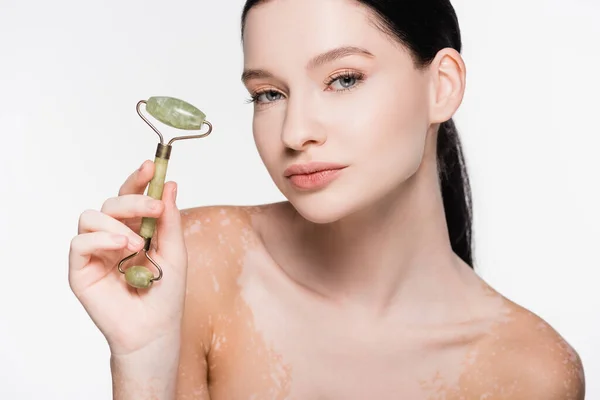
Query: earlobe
[[448, 78]]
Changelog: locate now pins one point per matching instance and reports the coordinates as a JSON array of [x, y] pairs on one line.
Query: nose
[[300, 128]]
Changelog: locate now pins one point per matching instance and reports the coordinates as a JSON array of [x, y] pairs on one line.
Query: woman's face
[[365, 108]]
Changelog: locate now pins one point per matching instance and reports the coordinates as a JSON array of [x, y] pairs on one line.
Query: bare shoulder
[[216, 239], [525, 358]]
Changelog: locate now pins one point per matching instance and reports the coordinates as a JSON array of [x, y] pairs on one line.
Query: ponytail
[[456, 191]]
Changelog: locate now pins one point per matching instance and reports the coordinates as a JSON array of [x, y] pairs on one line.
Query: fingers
[[132, 205], [106, 230], [83, 246], [137, 182], [96, 221]]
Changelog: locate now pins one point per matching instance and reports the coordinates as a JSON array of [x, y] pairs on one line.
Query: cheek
[[266, 129], [390, 130]]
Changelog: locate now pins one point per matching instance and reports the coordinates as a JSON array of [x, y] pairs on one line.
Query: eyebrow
[[315, 62]]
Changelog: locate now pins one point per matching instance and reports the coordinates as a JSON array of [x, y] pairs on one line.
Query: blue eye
[[348, 80], [269, 95], [345, 82]]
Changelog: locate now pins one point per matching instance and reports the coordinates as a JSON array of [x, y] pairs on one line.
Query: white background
[[71, 73]]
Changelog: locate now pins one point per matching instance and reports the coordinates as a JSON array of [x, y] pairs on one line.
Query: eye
[[265, 96], [269, 95], [347, 80]]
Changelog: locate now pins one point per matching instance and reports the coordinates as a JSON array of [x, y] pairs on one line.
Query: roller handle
[[155, 190]]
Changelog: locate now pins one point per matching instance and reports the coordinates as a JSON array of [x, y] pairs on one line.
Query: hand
[[131, 319]]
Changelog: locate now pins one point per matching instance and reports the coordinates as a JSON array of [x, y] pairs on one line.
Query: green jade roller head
[[177, 114]]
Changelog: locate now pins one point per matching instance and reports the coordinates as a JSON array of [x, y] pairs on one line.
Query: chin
[[319, 213], [344, 199], [322, 207]]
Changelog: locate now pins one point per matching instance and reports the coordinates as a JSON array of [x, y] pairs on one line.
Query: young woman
[[361, 285]]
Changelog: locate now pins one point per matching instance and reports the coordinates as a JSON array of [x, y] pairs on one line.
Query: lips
[[311, 168]]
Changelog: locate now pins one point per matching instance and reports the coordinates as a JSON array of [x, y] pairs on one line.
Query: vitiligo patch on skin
[[514, 360], [240, 363], [261, 336]]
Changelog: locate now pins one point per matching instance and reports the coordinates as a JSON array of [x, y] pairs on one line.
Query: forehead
[[296, 30]]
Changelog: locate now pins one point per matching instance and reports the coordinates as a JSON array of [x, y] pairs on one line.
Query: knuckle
[[107, 204], [84, 218], [74, 245], [87, 213], [125, 187]]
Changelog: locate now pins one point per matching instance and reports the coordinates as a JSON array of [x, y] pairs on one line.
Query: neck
[[396, 251]]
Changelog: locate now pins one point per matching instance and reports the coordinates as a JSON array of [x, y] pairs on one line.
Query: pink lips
[[313, 175]]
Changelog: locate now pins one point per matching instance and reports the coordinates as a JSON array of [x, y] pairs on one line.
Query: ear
[[447, 83]]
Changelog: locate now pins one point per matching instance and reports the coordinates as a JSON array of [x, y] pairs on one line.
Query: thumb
[[169, 233]]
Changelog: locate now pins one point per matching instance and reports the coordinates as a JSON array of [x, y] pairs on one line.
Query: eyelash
[[360, 77]]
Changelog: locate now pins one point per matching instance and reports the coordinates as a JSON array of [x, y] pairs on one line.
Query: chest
[[276, 343], [253, 370]]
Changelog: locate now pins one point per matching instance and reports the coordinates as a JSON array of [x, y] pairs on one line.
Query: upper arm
[[192, 378], [525, 359], [554, 375], [209, 291], [539, 364]]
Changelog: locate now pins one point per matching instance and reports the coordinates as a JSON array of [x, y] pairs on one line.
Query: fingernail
[[174, 193], [142, 166]]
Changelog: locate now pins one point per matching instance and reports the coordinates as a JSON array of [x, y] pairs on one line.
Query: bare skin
[[351, 291], [252, 332]]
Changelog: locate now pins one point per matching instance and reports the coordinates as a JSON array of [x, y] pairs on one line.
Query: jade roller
[[177, 114]]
